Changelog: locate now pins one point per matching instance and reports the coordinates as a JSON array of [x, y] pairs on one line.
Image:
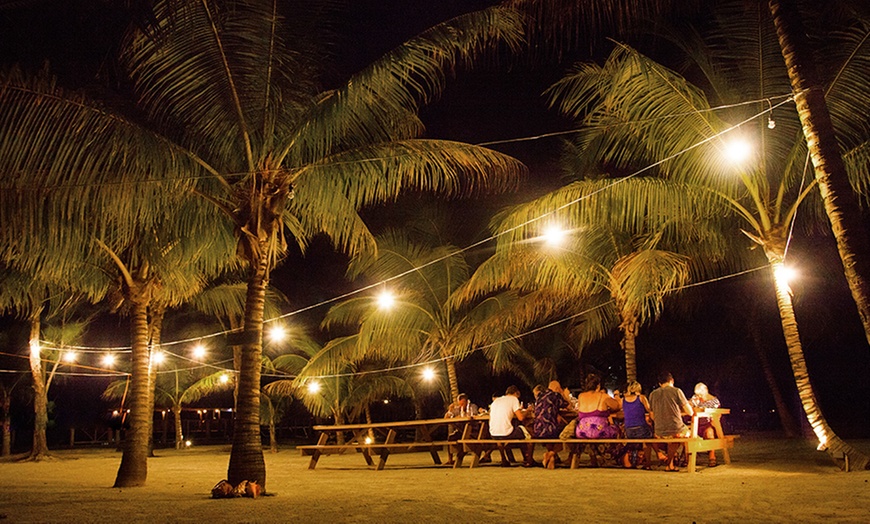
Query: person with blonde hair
[[635, 408]]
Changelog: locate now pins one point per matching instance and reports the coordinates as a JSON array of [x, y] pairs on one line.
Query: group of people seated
[[596, 414]]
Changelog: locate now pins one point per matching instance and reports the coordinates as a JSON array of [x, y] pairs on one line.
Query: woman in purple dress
[[594, 408]]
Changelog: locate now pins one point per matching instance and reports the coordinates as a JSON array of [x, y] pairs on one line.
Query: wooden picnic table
[[385, 437]]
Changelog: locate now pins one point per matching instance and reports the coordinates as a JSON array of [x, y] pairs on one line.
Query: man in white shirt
[[501, 423]]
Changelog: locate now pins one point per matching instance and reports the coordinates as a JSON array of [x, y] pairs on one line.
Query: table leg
[[715, 420], [321, 441], [385, 452]]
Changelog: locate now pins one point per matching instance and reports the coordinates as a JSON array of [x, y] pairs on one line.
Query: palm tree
[[175, 389], [652, 114], [344, 395], [33, 298], [235, 113], [423, 320], [811, 98], [595, 275]]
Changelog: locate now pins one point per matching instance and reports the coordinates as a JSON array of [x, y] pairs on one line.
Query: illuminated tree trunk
[[246, 458], [451, 377], [786, 420], [134, 461], [39, 450], [156, 328], [841, 452], [629, 336], [830, 172], [179, 433]]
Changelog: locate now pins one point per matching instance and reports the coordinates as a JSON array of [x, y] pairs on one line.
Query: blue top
[[634, 412]]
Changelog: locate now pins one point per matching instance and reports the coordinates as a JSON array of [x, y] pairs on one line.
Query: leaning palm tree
[[653, 114], [819, 127], [235, 113]]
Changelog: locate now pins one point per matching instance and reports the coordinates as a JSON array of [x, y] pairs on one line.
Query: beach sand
[[769, 480]]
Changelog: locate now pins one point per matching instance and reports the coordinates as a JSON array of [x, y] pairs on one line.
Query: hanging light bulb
[[771, 123]]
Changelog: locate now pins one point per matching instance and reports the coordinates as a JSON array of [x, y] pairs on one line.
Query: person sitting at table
[[667, 407], [635, 409], [461, 408], [594, 408], [701, 400], [548, 420], [504, 412]]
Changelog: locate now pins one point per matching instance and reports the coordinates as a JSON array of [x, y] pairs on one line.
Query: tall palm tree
[[653, 114], [811, 98], [235, 113]]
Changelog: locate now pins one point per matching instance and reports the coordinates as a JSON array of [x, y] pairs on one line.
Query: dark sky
[[77, 37]]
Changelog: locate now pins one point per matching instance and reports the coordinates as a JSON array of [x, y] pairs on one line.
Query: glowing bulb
[[386, 300], [738, 150], [368, 440], [313, 387], [70, 356], [785, 274], [771, 123], [158, 357], [554, 235], [188, 443], [224, 378], [109, 360], [428, 374], [198, 351], [277, 333]]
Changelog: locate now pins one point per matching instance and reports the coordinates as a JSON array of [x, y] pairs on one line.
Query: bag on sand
[[222, 490]]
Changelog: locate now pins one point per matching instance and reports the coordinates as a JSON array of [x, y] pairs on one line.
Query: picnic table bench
[[694, 443], [361, 442]]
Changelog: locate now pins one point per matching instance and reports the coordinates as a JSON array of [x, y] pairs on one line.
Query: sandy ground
[[769, 480]]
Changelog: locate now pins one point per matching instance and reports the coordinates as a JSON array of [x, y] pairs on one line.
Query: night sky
[[709, 342]]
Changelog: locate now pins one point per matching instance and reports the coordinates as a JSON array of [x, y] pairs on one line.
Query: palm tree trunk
[[246, 458], [786, 420], [451, 377], [6, 448], [629, 335], [842, 453], [39, 450], [830, 172], [134, 461], [179, 434], [156, 329]]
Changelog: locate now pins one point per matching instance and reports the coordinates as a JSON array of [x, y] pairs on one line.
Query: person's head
[[537, 390], [701, 389], [593, 382], [513, 390], [634, 388], [554, 385], [462, 399], [665, 377]]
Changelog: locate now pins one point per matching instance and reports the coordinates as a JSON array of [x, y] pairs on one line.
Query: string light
[[199, 350]]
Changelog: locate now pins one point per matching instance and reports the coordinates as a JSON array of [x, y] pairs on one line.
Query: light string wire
[[786, 99], [459, 251]]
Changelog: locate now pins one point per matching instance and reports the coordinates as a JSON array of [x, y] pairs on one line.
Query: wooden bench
[[576, 447], [361, 443]]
